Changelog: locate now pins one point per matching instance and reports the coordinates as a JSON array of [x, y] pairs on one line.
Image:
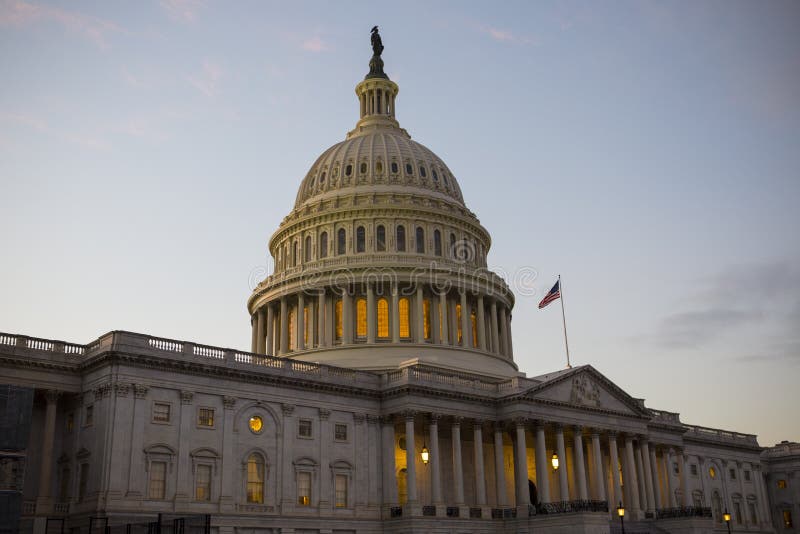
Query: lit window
[[256, 424], [361, 239], [712, 472], [205, 417], [158, 480], [202, 485], [405, 326], [782, 484], [304, 428], [161, 412], [338, 319], [420, 240], [255, 479], [458, 324], [70, 424], [323, 245], [88, 419], [380, 238], [401, 238], [340, 432], [304, 488], [305, 325], [340, 496], [361, 318], [341, 241], [473, 319], [426, 318], [292, 323], [383, 318], [787, 519]]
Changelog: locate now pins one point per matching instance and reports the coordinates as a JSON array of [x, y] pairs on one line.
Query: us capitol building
[[380, 394]]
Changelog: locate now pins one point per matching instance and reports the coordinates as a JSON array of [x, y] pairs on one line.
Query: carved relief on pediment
[[585, 392]]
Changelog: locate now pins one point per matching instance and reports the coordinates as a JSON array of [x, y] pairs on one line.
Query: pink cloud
[[207, 81], [315, 44], [20, 13], [182, 10]]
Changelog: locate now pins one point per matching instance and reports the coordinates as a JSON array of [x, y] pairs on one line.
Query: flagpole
[[564, 319]]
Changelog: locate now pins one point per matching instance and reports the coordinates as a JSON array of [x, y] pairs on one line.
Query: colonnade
[[382, 313], [377, 101]]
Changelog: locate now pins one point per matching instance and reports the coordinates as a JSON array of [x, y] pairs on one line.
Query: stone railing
[[568, 507], [664, 417], [724, 436], [788, 448], [69, 350], [421, 374], [683, 511]]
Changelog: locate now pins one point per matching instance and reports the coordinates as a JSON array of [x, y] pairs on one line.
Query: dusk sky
[[649, 152]]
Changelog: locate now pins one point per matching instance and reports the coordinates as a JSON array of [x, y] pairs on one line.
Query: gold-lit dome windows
[[256, 424]]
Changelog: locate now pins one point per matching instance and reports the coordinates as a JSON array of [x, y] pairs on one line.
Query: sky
[[648, 152]]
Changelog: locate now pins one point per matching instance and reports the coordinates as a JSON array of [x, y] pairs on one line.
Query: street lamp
[[727, 518], [425, 455], [621, 514], [554, 461]]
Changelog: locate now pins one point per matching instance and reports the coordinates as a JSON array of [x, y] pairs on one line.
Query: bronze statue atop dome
[[376, 63]]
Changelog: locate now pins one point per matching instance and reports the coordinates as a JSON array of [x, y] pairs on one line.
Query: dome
[[380, 262]]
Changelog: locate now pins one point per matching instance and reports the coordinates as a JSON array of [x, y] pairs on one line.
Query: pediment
[[585, 387]]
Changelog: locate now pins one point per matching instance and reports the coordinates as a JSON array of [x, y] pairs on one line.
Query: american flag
[[554, 294]]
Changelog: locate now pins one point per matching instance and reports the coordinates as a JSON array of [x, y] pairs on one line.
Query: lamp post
[[727, 518], [621, 514]]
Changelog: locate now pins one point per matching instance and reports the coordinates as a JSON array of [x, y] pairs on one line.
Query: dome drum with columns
[[380, 252]]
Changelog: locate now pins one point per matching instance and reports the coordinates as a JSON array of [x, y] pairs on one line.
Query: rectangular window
[[202, 486], [787, 519], [753, 517], [205, 417], [341, 491], [83, 482], [161, 412], [340, 432], [304, 488], [88, 419], [675, 469], [737, 512], [693, 469], [747, 476], [158, 481], [304, 428], [781, 484], [63, 490], [732, 473]]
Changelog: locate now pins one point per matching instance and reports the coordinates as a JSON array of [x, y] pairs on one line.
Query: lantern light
[[554, 461], [425, 455]]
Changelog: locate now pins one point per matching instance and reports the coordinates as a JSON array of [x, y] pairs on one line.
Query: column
[[563, 484], [419, 316], [395, 315], [465, 334], [599, 472], [44, 501], [389, 474], [260, 346], [481, 325], [443, 326], [300, 319], [269, 348], [312, 323], [701, 466], [284, 341], [671, 501], [458, 470], [321, 340], [480, 479], [580, 464], [229, 461], [499, 466], [347, 317], [654, 477], [614, 461], [503, 332], [687, 494], [254, 332], [542, 478], [640, 475], [510, 346], [631, 481], [493, 323], [763, 496], [372, 316], [652, 503], [436, 471], [411, 460], [325, 500], [521, 465]]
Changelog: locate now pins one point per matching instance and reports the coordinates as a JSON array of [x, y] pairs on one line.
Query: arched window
[[452, 245], [341, 241], [255, 479], [307, 248], [437, 242], [420, 239], [380, 238], [383, 318], [405, 322], [394, 167], [361, 239], [292, 333], [426, 318], [338, 319], [323, 245], [459, 333], [363, 168], [423, 172], [295, 247], [401, 238], [361, 318], [474, 322]]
